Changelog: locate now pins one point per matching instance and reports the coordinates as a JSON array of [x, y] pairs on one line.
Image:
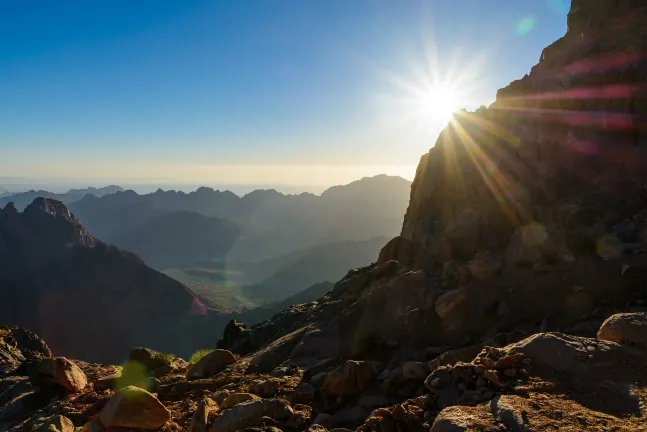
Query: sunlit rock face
[[563, 147]]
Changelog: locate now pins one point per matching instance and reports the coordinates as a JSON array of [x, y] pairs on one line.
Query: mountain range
[[23, 199]]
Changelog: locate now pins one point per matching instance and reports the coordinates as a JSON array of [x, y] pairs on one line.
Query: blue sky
[[295, 92]]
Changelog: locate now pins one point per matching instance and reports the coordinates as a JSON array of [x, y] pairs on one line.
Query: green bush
[[166, 358], [196, 356]]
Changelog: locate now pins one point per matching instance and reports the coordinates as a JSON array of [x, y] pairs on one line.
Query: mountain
[[23, 199], [163, 238], [271, 223], [88, 299]]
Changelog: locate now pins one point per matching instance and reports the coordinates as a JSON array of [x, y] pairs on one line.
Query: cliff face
[[564, 146]]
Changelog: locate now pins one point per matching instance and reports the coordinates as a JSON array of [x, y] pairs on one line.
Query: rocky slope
[[87, 299]]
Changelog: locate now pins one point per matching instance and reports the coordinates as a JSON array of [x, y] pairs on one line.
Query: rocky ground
[[548, 381]]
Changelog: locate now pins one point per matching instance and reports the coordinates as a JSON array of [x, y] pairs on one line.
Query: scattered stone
[[415, 370], [58, 371], [55, 423], [266, 388], [248, 414], [349, 379], [132, 407], [625, 328], [149, 358], [212, 363], [237, 398], [398, 413], [201, 415]]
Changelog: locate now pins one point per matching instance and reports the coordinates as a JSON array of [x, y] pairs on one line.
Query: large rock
[[250, 414], [537, 244], [212, 363], [151, 359], [625, 328], [55, 423], [237, 398], [132, 407], [201, 415], [460, 419], [448, 302], [57, 371], [349, 379]]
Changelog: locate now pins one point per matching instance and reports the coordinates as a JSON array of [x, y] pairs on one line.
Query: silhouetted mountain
[[162, 238], [86, 298], [23, 199], [272, 223]]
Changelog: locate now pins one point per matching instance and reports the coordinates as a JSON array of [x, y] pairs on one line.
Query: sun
[[438, 103]]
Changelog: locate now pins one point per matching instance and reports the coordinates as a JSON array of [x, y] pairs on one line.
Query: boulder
[[415, 370], [266, 388], [211, 364], [250, 413], [151, 359], [459, 419], [449, 301], [237, 398], [57, 371], [132, 407], [483, 266], [349, 379], [201, 415], [625, 328], [55, 423], [537, 244], [132, 373]]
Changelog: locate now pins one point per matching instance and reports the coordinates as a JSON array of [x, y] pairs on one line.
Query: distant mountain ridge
[[23, 199], [273, 223]]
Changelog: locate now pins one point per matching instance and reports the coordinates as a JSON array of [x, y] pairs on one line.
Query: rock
[[449, 301], [211, 364], [201, 415], [303, 393], [248, 414], [398, 413], [237, 398], [537, 244], [504, 408], [233, 336], [322, 419], [132, 407], [415, 370], [132, 373], [625, 328], [220, 396], [459, 419], [349, 379], [316, 428], [483, 266], [267, 387], [55, 423], [58, 371], [149, 358]]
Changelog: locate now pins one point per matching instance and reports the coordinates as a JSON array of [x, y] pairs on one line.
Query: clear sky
[[294, 92]]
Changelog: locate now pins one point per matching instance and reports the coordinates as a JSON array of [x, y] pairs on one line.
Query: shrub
[[197, 355], [166, 358]]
